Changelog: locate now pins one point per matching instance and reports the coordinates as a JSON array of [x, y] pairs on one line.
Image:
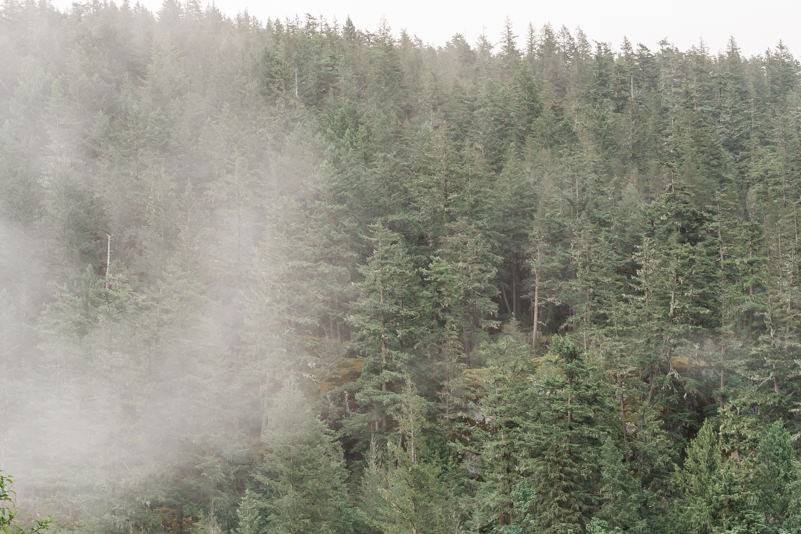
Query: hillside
[[295, 276]]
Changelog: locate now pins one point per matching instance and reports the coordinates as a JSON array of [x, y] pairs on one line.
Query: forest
[[294, 276]]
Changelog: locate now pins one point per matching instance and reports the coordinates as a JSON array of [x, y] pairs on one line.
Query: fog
[[118, 127], [308, 274]]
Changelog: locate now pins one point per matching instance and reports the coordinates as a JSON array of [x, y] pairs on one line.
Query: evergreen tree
[[301, 483], [198, 212], [545, 439], [621, 495], [714, 496], [776, 478], [387, 324], [403, 491]]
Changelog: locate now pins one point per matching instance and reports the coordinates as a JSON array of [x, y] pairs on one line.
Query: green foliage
[[8, 513], [551, 288], [403, 489], [541, 450], [776, 479], [300, 485], [388, 323], [621, 496], [715, 494]]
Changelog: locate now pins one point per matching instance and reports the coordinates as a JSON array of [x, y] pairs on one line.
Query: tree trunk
[[722, 377], [382, 420], [108, 260], [622, 401], [535, 309], [514, 289]]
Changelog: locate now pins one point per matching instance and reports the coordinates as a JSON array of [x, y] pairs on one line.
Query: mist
[[296, 275], [151, 142]]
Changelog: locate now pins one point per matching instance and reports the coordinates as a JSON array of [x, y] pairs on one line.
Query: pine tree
[[621, 495], [776, 478], [385, 219], [387, 323], [505, 469], [544, 441], [568, 432], [301, 482], [404, 490], [676, 299], [714, 494], [463, 276]]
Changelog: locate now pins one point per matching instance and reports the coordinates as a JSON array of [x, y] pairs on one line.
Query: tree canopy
[[298, 276]]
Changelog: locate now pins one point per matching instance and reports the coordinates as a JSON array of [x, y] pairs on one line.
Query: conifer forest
[[296, 276]]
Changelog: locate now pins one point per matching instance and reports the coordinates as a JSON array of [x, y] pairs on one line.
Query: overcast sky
[[756, 24]]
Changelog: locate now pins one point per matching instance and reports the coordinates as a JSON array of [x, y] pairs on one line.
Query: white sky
[[756, 24]]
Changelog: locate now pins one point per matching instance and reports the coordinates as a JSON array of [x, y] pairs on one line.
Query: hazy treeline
[[362, 284]]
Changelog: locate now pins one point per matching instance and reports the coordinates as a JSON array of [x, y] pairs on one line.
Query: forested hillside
[[300, 277]]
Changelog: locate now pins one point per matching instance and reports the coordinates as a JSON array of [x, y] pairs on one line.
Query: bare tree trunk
[[722, 377], [238, 213], [108, 259], [506, 301], [514, 289], [382, 421], [535, 301], [622, 401], [535, 311]]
